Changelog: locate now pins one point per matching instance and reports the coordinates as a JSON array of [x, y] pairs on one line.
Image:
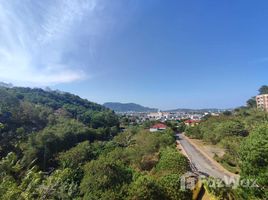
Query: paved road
[[199, 161]]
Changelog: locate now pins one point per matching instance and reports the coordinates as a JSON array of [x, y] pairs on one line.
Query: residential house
[[158, 127]]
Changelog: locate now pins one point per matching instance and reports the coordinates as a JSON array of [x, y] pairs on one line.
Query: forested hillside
[[55, 145], [24, 112]]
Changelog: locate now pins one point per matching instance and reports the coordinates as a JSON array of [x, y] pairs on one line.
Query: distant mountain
[[198, 110], [128, 107], [132, 107]]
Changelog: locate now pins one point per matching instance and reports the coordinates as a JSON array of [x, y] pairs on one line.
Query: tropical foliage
[[55, 145]]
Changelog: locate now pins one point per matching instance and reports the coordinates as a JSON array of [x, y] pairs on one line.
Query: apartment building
[[262, 102]]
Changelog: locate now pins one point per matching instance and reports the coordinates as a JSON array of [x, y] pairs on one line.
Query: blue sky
[[159, 53]]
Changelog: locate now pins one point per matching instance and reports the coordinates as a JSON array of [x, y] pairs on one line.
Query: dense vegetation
[[26, 114], [244, 136], [55, 145]]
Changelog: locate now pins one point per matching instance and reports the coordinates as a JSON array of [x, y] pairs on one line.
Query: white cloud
[[37, 37]]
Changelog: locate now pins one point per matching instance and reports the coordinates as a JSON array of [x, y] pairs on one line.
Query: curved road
[[199, 161]]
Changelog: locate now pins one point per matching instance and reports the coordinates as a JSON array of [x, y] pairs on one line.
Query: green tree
[[124, 139], [53, 139], [172, 162], [263, 89], [254, 160], [76, 156], [103, 175], [227, 113], [143, 151], [181, 127], [9, 189], [9, 165], [230, 128], [251, 103], [30, 183], [146, 188], [61, 184], [194, 132], [172, 188]]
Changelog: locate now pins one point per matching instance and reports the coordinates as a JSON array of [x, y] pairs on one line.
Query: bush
[[172, 188], [76, 156], [254, 160], [104, 174], [193, 132], [145, 188], [172, 162]]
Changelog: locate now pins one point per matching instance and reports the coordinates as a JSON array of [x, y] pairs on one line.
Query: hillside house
[[158, 127]]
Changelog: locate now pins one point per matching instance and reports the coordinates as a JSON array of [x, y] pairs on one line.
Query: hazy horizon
[[166, 55]]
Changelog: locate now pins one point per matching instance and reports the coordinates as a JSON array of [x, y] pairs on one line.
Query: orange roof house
[[158, 127]]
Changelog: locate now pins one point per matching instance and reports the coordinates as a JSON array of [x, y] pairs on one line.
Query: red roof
[[190, 121], [159, 126]]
